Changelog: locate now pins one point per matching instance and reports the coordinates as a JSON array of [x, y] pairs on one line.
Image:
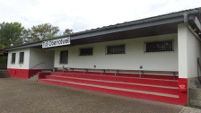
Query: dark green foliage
[[3, 59], [67, 31], [43, 31], [11, 33], [14, 34]]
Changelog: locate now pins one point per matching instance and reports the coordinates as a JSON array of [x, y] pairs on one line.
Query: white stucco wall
[[135, 56], [32, 57], [189, 51], [41, 59], [16, 65]]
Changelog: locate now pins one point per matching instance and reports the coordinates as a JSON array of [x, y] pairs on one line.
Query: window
[[21, 58], [64, 57], [118, 49], [13, 58], [159, 46], [86, 51]]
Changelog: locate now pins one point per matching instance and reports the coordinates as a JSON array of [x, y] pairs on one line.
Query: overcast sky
[[80, 15]]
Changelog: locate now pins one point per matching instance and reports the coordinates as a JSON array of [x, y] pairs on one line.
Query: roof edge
[[115, 26]]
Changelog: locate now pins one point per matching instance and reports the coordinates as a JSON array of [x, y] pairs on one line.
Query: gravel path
[[25, 96]]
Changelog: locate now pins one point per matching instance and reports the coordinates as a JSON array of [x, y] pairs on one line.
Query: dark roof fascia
[[177, 17], [147, 22], [39, 43], [127, 28]]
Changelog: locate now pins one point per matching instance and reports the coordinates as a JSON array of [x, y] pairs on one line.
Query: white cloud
[[86, 14]]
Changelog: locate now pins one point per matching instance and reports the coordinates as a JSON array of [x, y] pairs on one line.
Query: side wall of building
[[19, 70], [134, 57], [35, 60], [17, 65], [189, 52], [194, 53]]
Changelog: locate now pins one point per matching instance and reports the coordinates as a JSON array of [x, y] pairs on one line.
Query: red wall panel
[[22, 73]]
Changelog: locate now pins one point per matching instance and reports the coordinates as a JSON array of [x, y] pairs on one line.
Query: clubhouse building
[[155, 58]]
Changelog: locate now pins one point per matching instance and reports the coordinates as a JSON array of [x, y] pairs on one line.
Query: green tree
[[26, 34], [2, 46], [67, 31], [11, 34], [43, 31]]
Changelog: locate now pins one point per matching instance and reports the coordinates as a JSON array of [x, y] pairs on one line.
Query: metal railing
[[37, 65]]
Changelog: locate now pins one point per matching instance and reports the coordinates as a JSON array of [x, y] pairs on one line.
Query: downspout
[[189, 26]]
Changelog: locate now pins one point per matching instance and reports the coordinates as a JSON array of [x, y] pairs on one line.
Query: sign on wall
[[56, 42]]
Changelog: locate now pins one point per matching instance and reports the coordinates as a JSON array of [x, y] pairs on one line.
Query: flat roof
[[157, 25]]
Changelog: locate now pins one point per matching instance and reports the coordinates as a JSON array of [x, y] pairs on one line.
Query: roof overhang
[[159, 25], [27, 45], [145, 28]]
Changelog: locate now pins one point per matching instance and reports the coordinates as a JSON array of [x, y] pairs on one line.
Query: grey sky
[[80, 15]]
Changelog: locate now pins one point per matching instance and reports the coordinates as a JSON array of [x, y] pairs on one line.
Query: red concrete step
[[161, 97], [126, 85], [162, 82]]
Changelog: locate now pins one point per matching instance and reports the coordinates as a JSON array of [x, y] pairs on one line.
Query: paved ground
[[24, 96]]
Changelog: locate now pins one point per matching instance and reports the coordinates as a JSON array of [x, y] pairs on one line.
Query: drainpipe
[[189, 26]]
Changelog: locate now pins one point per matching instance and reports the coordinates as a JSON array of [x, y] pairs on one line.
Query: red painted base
[[182, 85], [22, 73]]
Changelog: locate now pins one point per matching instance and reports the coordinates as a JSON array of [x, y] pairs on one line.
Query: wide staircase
[[149, 87]]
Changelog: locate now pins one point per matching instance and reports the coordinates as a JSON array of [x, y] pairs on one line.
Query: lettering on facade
[[56, 42]]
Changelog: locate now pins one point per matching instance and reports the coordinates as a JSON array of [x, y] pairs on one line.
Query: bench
[[118, 71]]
